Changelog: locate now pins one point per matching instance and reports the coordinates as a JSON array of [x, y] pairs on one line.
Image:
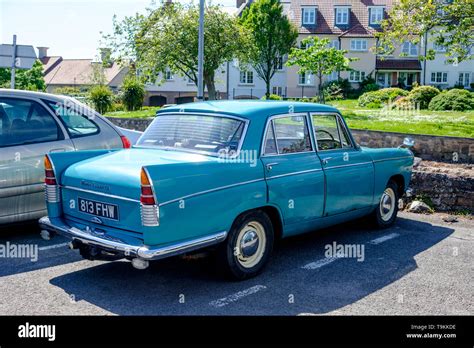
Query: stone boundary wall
[[427, 147]]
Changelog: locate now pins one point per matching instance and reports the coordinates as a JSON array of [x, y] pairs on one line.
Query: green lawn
[[452, 123], [147, 111]]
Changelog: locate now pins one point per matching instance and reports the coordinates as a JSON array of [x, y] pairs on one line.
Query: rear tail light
[[150, 211], [125, 142], [51, 184]]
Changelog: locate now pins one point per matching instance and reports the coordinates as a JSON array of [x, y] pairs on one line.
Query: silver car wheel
[[387, 204], [251, 243]]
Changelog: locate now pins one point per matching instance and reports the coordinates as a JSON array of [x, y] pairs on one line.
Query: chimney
[[42, 52], [106, 57]]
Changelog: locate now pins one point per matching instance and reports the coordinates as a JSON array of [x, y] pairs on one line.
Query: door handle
[[326, 160], [271, 165], [61, 149]]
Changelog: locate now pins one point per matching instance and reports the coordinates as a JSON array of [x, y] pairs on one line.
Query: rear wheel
[[387, 209], [248, 246]]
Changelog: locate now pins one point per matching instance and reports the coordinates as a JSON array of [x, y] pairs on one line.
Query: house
[[78, 73]]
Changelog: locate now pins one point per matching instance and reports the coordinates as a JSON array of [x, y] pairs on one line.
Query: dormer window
[[342, 15], [308, 15], [376, 14]]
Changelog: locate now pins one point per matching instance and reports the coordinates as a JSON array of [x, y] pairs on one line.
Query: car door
[[293, 171], [349, 172], [28, 131]]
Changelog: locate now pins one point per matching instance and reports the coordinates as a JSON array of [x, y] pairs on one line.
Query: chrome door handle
[[271, 165], [326, 160]]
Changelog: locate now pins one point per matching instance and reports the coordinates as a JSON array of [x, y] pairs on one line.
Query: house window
[[410, 49], [342, 15], [439, 77], [308, 15], [304, 79], [246, 77], [356, 76], [279, 63], [407, 78], [334, 43], [375, 15], [464, 79], [333, 76], [439, 48], [169, 75], [277, 90], [359, 45]]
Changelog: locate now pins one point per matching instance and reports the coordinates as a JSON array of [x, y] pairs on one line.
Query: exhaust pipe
[[140, 264]]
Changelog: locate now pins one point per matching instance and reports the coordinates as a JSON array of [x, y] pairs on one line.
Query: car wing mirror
[[408, 142]]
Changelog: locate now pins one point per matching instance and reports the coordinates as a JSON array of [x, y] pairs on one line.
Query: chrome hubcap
[[250, 244], [387, 204]]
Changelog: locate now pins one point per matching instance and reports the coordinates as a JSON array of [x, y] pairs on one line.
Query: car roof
[[249, 108], [31, 94]]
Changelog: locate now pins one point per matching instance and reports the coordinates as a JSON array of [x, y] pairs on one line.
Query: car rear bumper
[[127, 248]]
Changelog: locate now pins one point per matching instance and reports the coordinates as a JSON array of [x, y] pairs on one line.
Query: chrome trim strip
[[209, 191], [348, 165], [101, 194], [141, 251], [391, 159], [294, 173]]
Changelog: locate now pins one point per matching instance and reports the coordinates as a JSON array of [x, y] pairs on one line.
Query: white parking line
[[384, 238], [237, 296], [55, 246], [320, 263]]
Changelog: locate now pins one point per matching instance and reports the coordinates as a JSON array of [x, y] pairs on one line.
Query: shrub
[[69, 91], [272, 97], [422, 95], [454, 99], [133, 92], [370, 87], [333, 91], [368, 84], [376, 99], [101, 98]]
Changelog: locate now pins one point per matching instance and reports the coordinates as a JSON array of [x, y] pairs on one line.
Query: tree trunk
[[211, 86], [320, 89]]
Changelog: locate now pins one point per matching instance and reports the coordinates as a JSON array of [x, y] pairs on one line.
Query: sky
[[70, 28]]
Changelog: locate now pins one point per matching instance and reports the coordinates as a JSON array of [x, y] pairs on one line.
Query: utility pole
[[13, 63], [200, 95]]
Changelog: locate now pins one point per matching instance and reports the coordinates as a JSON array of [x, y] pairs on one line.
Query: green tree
[[167, 38], [272, 36], [31, 79], [133, 93], [317, 57], [448, 23], [102, 98]]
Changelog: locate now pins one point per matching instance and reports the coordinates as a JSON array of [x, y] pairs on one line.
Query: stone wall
[[448, 187], [427, 147]]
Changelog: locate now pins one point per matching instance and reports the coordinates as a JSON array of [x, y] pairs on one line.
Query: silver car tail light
[[149, 209]]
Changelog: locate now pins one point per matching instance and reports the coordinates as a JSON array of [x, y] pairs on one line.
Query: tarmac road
[[420, 266]]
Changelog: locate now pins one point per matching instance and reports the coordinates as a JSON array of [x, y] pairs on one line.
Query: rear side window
[[287, 135], [74, 118], [26, 122]]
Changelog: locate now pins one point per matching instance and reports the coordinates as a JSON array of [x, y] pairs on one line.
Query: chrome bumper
[[140, 251]]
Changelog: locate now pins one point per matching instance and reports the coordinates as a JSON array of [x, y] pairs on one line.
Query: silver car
[[32, 125]]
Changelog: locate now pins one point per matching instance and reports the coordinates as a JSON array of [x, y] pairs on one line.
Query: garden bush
[[272, 97], [376, 99], [454, 99], [133, 92], [422, 95], [101, 98]]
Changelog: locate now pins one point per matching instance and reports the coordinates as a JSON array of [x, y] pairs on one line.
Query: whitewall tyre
[[387, 209]]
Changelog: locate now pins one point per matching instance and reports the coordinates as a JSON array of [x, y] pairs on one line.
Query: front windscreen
[[196, 133]]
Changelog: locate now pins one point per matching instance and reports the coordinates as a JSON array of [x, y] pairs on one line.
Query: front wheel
[[248, 246], [387, 209]]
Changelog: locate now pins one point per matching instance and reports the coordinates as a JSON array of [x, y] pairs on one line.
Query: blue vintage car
[[231, 176]]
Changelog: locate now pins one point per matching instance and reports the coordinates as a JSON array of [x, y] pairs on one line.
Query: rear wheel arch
[[273, 214]]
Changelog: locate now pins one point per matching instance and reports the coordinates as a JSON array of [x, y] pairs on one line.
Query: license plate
[[105, 210]]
